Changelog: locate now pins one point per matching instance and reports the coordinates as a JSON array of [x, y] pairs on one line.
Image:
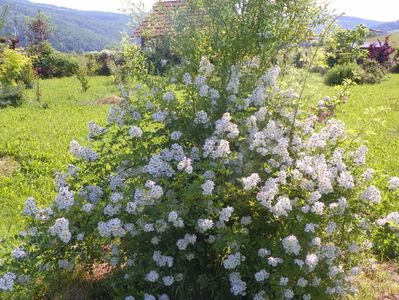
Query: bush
[[374, 72], [51, 63], [102, 63], [11, 96], [15, 66], [382, 52], [83, 78], [338, 74], [345, 46], [249, 198]]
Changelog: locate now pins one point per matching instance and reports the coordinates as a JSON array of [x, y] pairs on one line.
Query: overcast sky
[[380, 10]]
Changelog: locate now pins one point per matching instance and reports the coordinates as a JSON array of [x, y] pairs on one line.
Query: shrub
[[11, 96], [210, 200], [51, 63], [83, 78], [345, 46], [382, 52], [338, 74], [14, 67], [102, 63], [374, 72]]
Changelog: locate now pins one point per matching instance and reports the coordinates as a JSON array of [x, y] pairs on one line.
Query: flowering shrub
[[382, 52], [204, 194]]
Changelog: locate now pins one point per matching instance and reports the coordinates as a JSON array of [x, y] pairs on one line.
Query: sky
[[379, 10]]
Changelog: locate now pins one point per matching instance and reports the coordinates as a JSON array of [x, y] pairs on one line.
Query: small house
[[159, 21]]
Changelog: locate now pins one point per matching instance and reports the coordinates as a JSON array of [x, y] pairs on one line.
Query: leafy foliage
[[345, 46], [14, 66], [50, 63], [382, 53], [11, 95], [339, 73], [251, 30], [38, 32]]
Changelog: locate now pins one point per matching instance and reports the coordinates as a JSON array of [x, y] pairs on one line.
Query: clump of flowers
[[213, 197]]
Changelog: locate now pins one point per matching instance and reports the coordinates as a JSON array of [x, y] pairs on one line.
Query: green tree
[[345, 46], [38, 31], [230, 32]]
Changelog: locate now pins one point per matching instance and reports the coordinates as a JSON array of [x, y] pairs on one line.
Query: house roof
[[160, 19]]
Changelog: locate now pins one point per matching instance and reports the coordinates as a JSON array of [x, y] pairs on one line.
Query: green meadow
[[35, 137]]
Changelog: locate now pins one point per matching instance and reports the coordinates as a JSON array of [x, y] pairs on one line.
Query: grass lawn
[[373, 111], [34, 141]]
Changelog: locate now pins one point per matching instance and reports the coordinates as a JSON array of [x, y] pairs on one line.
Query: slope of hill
[[390, 26], [351, 22], [76, 31], [348, 22]]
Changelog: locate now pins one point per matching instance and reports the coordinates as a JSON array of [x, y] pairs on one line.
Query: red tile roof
[[160, 19]]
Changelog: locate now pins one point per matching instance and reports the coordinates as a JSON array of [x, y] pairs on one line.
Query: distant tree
[[38, 31]]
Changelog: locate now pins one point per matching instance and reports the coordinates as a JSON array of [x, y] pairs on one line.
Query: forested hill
[[75, 30], [351, 22]]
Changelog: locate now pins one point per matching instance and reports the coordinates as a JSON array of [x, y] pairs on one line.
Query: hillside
[[390, 26], [348, 22], [351, 22], [76, 31]]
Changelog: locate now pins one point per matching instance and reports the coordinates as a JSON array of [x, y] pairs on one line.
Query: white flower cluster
[[84, 153], [187, 240], [372, 194], [233, 261], [391, 217], [201, 117], [61, 229], [216, 148], [135, 132], [251, 181], [65, 198], [204, 224], [237, 285], [224, 125], [19, 253], [291, 245], [30, 207], [207, 187], [394, 183], [95, 130], [113, 227], [7, 281], [162, 260]]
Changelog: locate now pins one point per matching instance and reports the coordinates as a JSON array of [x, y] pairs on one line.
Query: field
[[35, 137]]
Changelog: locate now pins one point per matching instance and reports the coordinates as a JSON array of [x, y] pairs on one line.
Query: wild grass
[[36, 137]]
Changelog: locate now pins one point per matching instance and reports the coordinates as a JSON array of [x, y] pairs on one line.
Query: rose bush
[[188, 194]]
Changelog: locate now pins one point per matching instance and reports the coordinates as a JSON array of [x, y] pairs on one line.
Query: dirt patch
[[108, 100], [377, 281], [99, 272], [8, 166]]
